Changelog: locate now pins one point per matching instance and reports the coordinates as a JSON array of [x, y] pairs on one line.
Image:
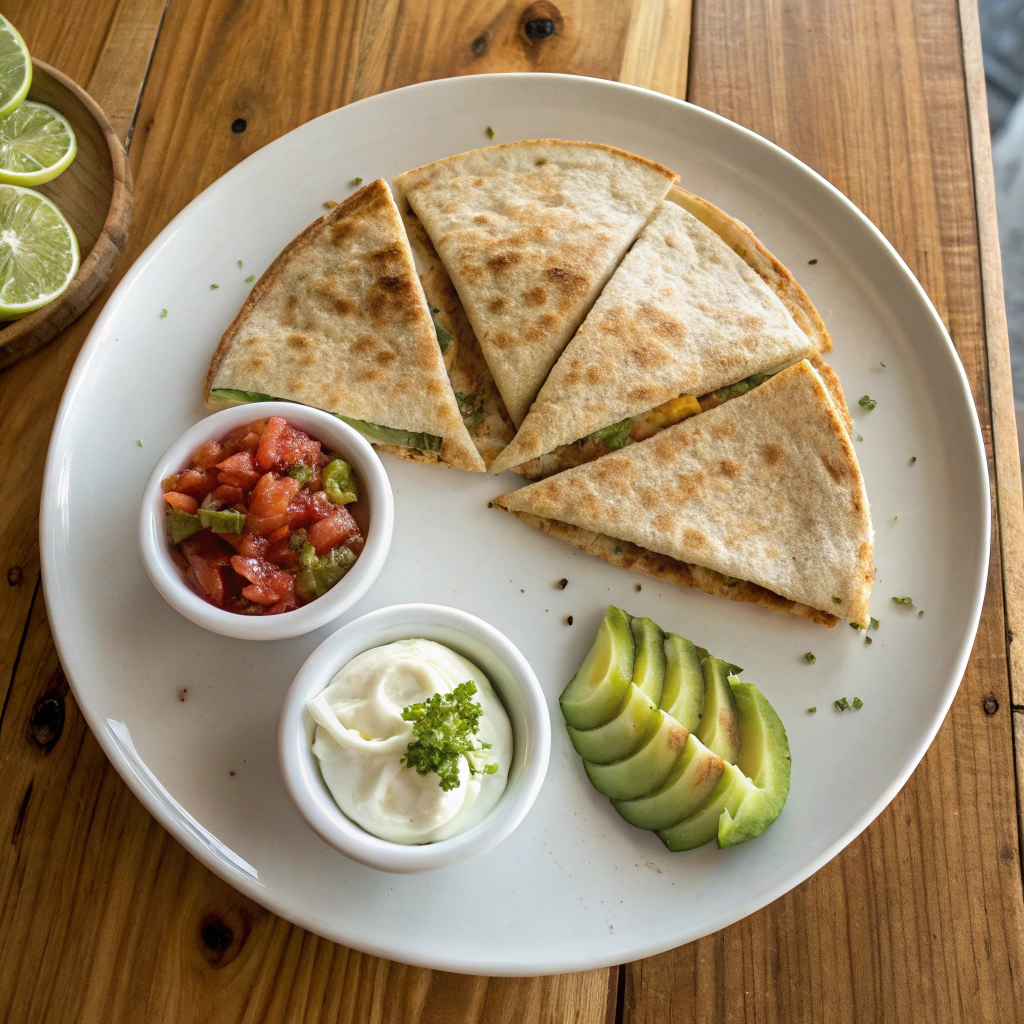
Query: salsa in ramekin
[[264, 520]]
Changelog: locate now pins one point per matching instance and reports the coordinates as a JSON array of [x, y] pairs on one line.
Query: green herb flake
[[903, 600], [810, 658], [868, 640], [214, 287], [301, 473], [837, 600], [811, 711], [842, 704], [895, 519], [614, 436], [860, 438], [882, 365], [163, 313], [913, 459], [811, 263], [857, 703], [357, 182], [866, 402], [873, 624], [251, 277], [471, 407], [239, 264], [618, 549], [444, 338], [857, 625], [490, 132], [920, 613], [444, 731]]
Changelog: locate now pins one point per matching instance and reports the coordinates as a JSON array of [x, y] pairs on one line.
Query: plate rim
[[177, 825]]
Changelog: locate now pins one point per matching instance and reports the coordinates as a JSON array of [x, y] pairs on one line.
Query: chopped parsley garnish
[[860, 438], [882, 365], [837, 600], [913, 459], [868, 640], [811, 263], [857, 703], [163, 313], [810, 658], [920, 613], [239, 264], [842, 704], [490, 132], [213, 287], [357, 181], [895, 519], [873, 624], [301, 473], [903, 600], [251, 277], [857, 625], [811, 711], [444, 730], [866, 402]]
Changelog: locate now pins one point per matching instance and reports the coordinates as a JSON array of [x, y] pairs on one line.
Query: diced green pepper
[[307, 556], [181, 525], [297, 539], [320, 574], [444, 338], [224, 521], [301, 473], [340, 482], [614, 436]]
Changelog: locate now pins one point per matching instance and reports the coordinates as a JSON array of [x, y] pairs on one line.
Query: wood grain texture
[[920, 919], [95, 194], [102, 915]]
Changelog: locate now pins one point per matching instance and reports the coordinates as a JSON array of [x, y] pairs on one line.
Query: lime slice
[[36, 144], [15, 68], [38, 251]]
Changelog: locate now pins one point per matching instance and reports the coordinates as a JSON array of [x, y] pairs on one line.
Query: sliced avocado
[[619, 737], [602, 683], [702, 826], [764, 759], [648, 767], [719, 728], [683, 694], [690, 783], [649, 663], [371, 431]]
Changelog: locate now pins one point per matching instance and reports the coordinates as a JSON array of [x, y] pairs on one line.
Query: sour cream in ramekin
[[361, 737]]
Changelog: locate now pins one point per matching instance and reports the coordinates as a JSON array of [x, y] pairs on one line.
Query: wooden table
[[104, 918]]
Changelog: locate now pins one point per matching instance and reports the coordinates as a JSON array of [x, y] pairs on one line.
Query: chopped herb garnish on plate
[[163, 313], [913, 459], [920, 613], [239, 264], [866, 402], [811, 711], [903, 600], [444, 730], [895, 519], [882, 365], [860, 437], [214, 286], [842, 704], [490, 132], [837, 600], [811, 263], [251, 277], [857, 703], [857, 625], [868, 640], [810, 658]]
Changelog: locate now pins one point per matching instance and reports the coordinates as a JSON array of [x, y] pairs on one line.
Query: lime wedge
[[36, 144], [38, 251], [15, 68]]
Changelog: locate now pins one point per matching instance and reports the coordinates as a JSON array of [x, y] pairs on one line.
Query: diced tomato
[[239, 470], [197, 482], [283, 445], [290, 603], [253, 545], [269, 585], [278, 534], [207, 454], [185, 502], [207, 558], [333, 530], [228, 494], [356, 544], [272, 496]]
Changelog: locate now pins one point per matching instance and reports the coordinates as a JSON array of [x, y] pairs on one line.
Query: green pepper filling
[[301, 473], [444, 338], [614, 436], [222, 521], [340, 482], [318, 575], [471, 407], [371, 431], [181, 525]]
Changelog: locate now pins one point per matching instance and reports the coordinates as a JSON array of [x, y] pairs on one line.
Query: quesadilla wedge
[[479, 401], [339, 322], [758, 500], [682, 321], [529, 233]]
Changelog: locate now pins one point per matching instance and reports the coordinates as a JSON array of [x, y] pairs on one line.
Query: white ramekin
[[514, 682], [334, 435]]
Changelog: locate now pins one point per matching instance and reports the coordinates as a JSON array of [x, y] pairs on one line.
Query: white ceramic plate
[[574, 887]]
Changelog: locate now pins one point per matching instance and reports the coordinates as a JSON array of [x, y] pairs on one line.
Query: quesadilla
[[479, 401], [339, 322], [758, 500], [529, 233], [683, 320]]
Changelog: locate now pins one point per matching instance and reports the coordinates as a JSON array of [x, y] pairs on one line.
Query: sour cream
[[361, 737]]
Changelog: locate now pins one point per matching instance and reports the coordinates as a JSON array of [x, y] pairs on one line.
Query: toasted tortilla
[[763, 490], [339, 322], [742, 241], [529, 233], [480, 404], [682, 315]]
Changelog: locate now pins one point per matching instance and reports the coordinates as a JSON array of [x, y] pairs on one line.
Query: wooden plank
[[102, 915], [1004, 425], [921, 918]]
